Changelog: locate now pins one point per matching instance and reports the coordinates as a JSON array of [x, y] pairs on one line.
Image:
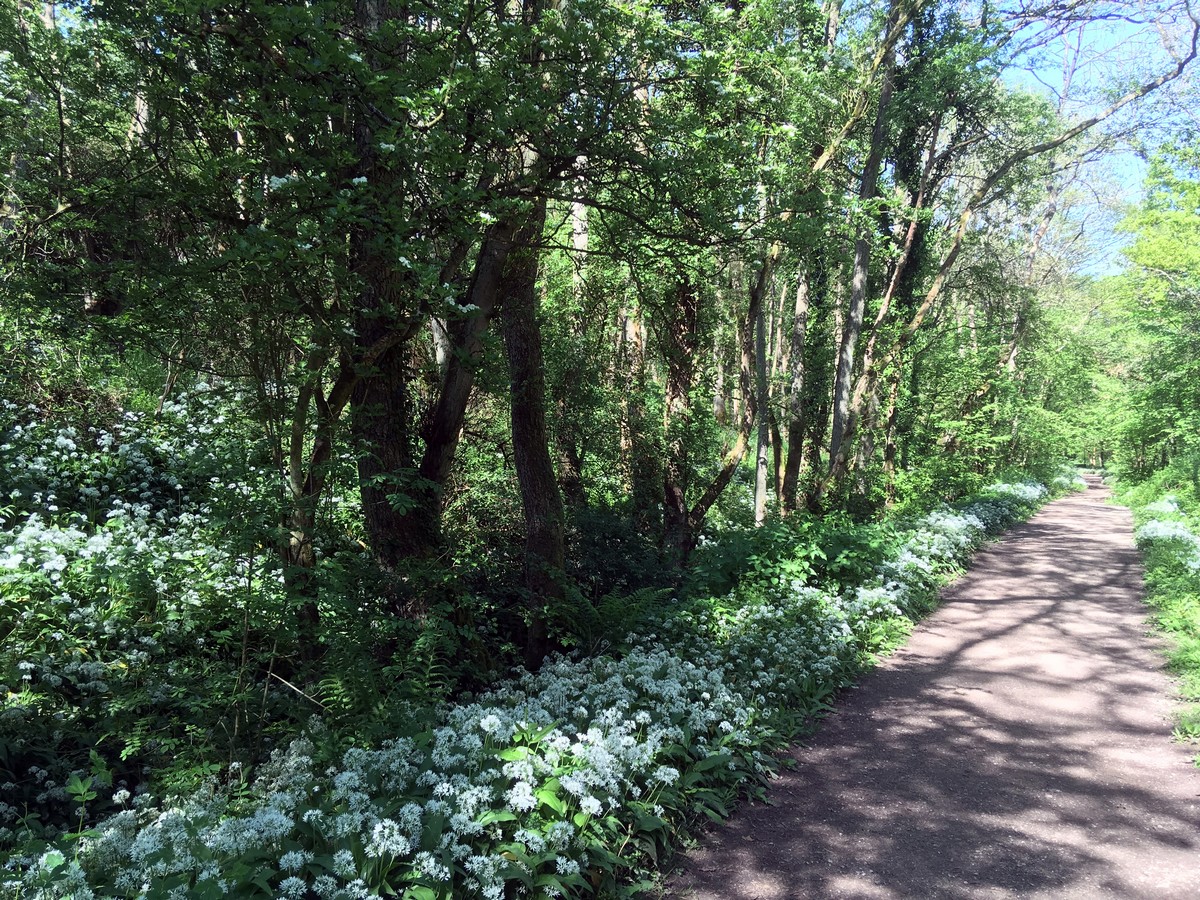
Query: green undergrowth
[[579, 780], [1168, 534], [158, 739]]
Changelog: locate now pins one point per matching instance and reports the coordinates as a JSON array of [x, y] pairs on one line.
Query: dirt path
[[1018, 746]]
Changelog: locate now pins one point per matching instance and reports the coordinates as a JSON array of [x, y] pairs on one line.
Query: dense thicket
[[682, 223]]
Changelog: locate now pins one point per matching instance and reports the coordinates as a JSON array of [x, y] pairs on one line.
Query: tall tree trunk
[[901, 285], [797, 424], [762, 411], [890, 439], [306, 481], [541, 501], [868, 187], [816, 442], [380, 405], [568, 442], [682, 345], [570, 459], [777, 461], [720, 401], [683, 521], [779, 366], [866, 448], [416, 531], [642, 468], [380, 417]]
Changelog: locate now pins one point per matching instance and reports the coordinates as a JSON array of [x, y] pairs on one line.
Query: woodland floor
[[1018, 746]]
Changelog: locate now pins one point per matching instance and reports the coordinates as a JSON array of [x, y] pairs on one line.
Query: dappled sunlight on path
[[1019, 746]]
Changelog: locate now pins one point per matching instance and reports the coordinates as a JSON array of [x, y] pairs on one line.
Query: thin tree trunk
[[890, 439], [866, 448], [682, 346], [720, 403], [776, 461], [900, 283], [816, 441], [641, 465], [762, 411], [567, 441], [570, 459], [797, 425], [306, 482]]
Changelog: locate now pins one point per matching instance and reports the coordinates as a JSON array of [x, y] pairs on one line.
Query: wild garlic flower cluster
[[1164, 506], [1025, 491], [550, 783], [1068, 481], [1170, 533], [108, 554]]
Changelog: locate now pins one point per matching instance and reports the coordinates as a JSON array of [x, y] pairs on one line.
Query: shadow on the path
[[991, 758]]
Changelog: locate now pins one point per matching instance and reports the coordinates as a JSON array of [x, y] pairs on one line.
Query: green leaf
[[541, 733], [650, 823], [491, 816], [548, 796], [80, 790], [264, 882], [431, 832], [715, 814], [560, 882], [712, 762]]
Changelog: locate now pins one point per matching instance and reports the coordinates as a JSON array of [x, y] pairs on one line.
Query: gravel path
[[1018, 746]]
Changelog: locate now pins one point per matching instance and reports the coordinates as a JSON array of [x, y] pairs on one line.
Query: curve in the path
[[1018, 746]]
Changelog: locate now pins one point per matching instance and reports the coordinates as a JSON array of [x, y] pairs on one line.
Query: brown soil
[[1018, 746]]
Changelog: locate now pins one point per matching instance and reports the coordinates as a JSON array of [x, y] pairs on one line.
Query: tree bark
[[682, 345], [417, 533], [868, 188], [641, 465], [306, 481], [380, 404], [380, 417], [380, 407], [762, 410], [890, 439], [540, 498], [797, 424], [570, 457]]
